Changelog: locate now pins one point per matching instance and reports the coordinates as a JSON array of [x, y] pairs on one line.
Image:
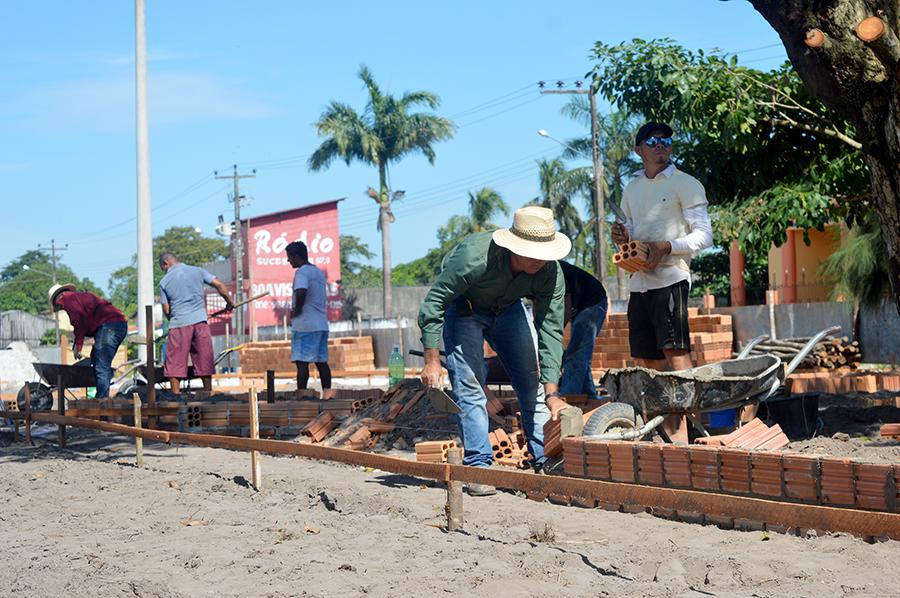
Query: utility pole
[[237, 250], [144, 223], [600, 255], [53, 249]]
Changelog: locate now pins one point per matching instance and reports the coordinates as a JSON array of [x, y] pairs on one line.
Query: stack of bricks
[[755, 434], [890, 431], [349, 353], [711, 340], [810, 479], [509, 450], [843, 382], [434, 451]]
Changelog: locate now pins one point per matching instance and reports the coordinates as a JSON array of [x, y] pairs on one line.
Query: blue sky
[[239, 82]]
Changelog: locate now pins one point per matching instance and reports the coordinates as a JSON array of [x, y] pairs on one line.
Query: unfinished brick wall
[[811, 479], [348, 353]]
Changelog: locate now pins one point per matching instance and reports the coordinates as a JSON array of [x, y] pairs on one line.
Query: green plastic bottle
[[396, 367]]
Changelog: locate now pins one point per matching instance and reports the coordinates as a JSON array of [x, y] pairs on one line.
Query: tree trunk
[[860, 81], [384, 218]]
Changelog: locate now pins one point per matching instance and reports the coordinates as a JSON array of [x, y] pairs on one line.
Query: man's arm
[[223, 291], [700, 236], [549, 305], [459, 269], [299, 301]]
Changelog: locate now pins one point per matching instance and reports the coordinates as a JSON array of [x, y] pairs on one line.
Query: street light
[[544, 133]]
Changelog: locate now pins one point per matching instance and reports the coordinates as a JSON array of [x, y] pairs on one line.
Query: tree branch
[[786, 121]]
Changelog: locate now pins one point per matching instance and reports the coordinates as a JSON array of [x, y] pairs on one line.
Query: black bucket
[[798, 416]]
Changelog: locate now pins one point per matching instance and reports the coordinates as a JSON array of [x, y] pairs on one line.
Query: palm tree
[[385, 132], [558, 187], [616, 151], [482, 208]]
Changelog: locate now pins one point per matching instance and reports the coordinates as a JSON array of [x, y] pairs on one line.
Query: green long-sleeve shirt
[[480, 270]]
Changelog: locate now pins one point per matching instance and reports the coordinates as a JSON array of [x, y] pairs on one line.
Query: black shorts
[[657, 320]]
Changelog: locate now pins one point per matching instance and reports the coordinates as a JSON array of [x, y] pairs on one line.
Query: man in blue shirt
[[309, 324], [183, 302]]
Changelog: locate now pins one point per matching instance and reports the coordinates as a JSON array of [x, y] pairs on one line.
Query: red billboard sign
[[266, 265]]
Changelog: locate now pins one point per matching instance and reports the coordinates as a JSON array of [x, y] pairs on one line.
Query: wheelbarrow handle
[[808, 347], [749, 346]]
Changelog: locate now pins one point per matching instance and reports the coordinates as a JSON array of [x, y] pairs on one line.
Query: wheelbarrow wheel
[[41, 397], [611, 417]]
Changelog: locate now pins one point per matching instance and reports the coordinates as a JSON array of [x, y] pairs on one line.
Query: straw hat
[[55, 290], [533, 234]]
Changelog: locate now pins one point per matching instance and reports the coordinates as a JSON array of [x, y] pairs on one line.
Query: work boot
[[480, 489]]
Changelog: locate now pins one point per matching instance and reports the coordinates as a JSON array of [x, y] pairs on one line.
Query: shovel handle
[[238, 304]]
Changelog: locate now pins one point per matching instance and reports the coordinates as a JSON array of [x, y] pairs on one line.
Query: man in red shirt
[[95, 317]]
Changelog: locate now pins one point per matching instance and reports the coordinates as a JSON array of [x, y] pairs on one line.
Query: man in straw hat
[[478, 297], [94, 317]]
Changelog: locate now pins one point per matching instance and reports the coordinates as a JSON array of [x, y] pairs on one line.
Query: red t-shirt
[[87, 312]]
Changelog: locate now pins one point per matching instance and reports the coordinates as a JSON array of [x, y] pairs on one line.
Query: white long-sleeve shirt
[[670, 207]]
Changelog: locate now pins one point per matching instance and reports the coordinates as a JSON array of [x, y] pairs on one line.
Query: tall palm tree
[[482, 208], [559, 186], [383, 133]]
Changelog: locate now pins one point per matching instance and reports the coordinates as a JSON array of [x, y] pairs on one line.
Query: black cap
[[645, 131]]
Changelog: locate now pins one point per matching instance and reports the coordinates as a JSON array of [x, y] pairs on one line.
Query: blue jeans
[[576, 375], [512, 336], [106, 342]]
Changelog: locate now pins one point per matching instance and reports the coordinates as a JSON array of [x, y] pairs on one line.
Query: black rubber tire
[[612, 415], [41, 397], [136, 386]]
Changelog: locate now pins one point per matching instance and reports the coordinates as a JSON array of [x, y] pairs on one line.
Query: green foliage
[[26, 289], [711, 270], [859, 268], [48, 339], [354, 273], [757, 140], [184, 242]]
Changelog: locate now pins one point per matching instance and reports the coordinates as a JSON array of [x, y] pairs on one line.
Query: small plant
[[546, 535]]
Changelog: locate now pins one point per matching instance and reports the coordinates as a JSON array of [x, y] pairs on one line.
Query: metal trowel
[[442, 401]]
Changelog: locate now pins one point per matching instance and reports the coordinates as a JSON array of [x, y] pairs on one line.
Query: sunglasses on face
[[653, 141]]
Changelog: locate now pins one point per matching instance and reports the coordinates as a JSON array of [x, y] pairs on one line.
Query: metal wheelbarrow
[[77, 375], [640, 398]]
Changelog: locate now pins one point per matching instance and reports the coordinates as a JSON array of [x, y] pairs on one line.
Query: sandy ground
[[86, 522]]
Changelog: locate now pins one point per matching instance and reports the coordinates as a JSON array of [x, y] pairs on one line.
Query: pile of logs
[[830, 353]]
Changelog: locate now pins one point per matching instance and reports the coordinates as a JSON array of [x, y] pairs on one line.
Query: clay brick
[[801, 475], [584, 503], [573, 456], [749, 525], [735, 470], [597, 460], [720, 521], [704, 467], [837, 481], [621, 461], [650, 464], [872, 485], [676, 465], [552, 444], [691, 517], [765, 474]]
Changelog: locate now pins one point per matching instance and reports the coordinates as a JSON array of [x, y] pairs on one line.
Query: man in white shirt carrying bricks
[[666, 209]]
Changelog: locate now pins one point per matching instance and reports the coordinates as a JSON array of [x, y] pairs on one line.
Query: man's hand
[[657, 251], [229, 304], [432, 373], [619, 233], [76, 351], [555, 405]]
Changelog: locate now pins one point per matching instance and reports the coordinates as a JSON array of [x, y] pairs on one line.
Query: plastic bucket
[[721, 419]]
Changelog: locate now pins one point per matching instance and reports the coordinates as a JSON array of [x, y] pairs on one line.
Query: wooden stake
[[28, 414], [255, 474], [138, 441], [151, 365], [454, 493], [61, 409], [270, 386]]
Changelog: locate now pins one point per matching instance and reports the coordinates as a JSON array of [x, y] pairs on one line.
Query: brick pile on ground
[[711, 340], [843, 381]]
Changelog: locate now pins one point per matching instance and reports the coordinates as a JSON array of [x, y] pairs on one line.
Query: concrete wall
[[879, 331]]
